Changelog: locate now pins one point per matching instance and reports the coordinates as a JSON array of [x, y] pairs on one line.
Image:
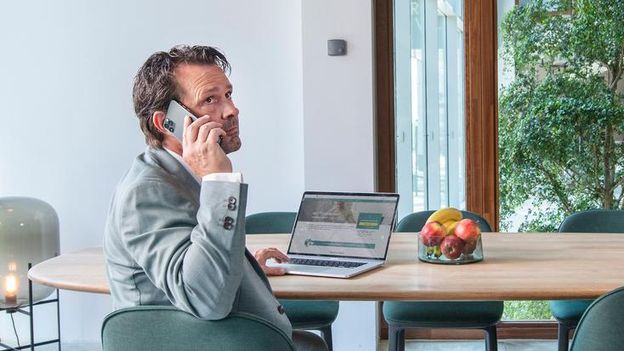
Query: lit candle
[[10, 285]]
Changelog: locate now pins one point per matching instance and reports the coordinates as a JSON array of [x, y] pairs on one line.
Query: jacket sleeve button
[[228, 223]]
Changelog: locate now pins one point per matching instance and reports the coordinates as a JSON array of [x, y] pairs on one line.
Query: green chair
[[401, 315], [568, 312], [308, 315], [167, 328], [600, 327]]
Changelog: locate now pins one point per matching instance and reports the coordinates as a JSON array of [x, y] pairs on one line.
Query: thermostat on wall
[[336, 47]]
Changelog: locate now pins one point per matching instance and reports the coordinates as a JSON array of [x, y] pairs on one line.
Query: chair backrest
[[167, 328], [600, 328], [270, 222], [594, 221], [414, 222]]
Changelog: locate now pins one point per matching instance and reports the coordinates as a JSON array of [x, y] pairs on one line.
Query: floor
[[477, 345], [503, 345], [70, 347]]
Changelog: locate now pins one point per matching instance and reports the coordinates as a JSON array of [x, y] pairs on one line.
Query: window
[[429, 104]]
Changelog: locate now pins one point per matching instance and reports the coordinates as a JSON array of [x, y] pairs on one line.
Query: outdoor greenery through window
[[561, 115]]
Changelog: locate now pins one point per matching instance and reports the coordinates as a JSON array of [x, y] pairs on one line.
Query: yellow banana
[[437, 251], [444, 215], [449, 226]]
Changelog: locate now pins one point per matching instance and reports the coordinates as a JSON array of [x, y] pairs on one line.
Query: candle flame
[[10, 283]]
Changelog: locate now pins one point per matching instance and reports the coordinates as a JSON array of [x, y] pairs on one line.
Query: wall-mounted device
[[336, 47]]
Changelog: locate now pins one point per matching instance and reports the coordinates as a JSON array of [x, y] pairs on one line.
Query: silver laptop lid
[[354, 225]]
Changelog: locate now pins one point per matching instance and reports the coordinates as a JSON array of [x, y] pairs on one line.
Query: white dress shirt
[[236, 177]]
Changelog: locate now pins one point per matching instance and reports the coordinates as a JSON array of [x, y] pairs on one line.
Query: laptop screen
[[344, 224]]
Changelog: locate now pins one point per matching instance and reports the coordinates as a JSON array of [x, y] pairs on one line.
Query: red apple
[[432, 234], [467, 230], [452, 246], [469, 247]]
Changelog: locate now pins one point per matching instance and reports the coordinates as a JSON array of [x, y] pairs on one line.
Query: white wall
[[338, 96], [338, 126], [67, 129]]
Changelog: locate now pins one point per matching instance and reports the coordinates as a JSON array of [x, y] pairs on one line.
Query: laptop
[[340, 234]]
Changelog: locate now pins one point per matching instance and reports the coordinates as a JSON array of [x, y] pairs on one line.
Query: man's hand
[[264, 254], [201, 149]]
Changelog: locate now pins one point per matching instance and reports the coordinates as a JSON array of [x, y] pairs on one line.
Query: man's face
[[206, 90]]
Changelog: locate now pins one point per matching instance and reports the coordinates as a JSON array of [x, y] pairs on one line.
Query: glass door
[[429, 93]]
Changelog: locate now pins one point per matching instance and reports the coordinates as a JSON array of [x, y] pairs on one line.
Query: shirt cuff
[[236, 177]]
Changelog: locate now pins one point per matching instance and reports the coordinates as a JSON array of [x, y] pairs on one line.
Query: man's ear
[[158, 118]]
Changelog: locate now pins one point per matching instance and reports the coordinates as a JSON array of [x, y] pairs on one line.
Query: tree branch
[[596, 159], [619, 182], [557, 189], [620, 198], [609, 169], [619, 69]]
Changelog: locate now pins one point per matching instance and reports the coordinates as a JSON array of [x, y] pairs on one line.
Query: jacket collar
[[170, 165]]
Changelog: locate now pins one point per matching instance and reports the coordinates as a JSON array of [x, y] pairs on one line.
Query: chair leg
[[563, 336], [396, 338], [491, 340], [326, 333]]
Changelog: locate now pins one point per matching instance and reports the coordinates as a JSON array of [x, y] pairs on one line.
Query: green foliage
[[561, 120], [526, 310]]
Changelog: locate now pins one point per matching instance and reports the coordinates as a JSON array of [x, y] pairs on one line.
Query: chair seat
[[569, 310], [306, 314], [443, 312]]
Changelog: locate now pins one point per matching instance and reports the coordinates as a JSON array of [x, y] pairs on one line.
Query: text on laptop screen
[[340, 225]]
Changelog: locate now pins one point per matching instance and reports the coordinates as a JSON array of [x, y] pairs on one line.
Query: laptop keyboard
[[325, 263]]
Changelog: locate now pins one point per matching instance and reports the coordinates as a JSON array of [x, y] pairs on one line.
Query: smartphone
[[174, 119]]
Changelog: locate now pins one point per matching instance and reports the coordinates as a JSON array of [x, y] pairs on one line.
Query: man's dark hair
[[155, 85]]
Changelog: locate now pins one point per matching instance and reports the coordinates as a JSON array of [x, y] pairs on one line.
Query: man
[[175, 232]]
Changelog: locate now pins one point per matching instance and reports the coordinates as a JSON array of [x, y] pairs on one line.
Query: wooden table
[[516, 267]]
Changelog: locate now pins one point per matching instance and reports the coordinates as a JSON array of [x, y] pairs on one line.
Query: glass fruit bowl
[[452, 250]]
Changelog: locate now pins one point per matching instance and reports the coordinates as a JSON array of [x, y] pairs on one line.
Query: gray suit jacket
[[170, 240]]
